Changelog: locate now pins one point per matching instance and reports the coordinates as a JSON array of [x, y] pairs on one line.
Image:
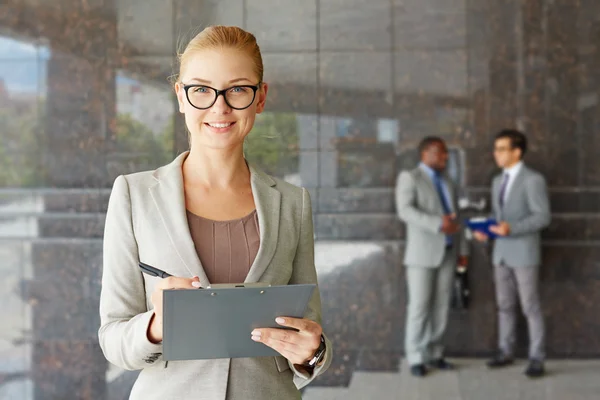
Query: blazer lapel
[[268, 201], [429, 183], [169, 199], [494, 195], [519, 178]]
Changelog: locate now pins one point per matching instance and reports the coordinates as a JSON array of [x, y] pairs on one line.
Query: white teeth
[[220, 125]]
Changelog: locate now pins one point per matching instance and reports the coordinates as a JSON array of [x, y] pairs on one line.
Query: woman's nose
[[221, 106]]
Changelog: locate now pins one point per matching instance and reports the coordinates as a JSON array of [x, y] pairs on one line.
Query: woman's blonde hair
[[218, 36]]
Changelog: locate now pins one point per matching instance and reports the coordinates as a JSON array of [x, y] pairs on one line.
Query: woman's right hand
[[171, 282]]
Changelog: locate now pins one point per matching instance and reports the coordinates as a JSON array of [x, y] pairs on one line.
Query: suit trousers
[[512, 284], [429, 296]]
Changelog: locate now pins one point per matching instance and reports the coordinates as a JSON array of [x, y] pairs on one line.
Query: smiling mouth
[[220, 125]]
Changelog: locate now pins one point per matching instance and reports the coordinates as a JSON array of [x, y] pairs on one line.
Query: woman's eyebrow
[[209, 82]]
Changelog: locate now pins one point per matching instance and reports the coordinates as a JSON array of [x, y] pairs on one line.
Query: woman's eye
[[200, 89]]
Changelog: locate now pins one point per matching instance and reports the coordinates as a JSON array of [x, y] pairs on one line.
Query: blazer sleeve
[[539, 206], [406, 205], [124, 317], [304, 271]]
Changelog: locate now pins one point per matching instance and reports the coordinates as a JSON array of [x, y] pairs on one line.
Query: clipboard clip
[[238, 285]]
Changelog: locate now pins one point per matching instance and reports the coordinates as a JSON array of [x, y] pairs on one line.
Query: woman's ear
[[262, 97], [180, 92]]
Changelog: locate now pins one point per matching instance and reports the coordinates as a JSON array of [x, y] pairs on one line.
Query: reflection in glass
[[362, 151], [144, 124], [387, 130], [23, 70], [273, 144]]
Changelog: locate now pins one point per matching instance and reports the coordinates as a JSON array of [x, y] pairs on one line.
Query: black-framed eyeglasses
[[236, 97]]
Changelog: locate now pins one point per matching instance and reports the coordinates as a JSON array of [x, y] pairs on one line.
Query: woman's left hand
[[298, 347]]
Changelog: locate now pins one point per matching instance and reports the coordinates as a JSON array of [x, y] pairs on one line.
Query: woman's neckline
[[244, 218]]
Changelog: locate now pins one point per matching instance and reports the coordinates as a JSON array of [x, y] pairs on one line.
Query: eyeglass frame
[[218, 92]]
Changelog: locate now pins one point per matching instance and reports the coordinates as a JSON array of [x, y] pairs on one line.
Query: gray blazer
[[418, 205], [527, 210], [146, 220]]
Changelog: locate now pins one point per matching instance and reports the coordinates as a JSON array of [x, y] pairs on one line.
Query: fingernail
[[196, 284], [256, 338], [256, 333], [280, 320]]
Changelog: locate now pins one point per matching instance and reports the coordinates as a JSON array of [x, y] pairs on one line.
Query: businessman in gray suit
[[426, 202], [520, 204]]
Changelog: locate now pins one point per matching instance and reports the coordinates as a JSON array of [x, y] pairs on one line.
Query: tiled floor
[[566, 380]]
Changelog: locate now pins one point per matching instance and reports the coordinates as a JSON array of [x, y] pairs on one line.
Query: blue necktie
[[437, 180]]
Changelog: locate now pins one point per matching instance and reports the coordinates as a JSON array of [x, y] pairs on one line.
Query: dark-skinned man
[[426, 202]]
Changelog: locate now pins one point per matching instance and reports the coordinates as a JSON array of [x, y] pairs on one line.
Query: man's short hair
[[517, 139], [428, 141]]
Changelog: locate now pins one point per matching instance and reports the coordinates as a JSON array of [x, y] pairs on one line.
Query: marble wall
[[354, 86]]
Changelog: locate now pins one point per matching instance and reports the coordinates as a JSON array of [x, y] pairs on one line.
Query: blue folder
[[482, 224]]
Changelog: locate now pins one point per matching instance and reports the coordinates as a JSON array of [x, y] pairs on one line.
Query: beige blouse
[[226, 249]]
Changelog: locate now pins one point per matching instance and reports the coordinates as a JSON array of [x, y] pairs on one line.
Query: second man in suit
[[520, 204], [426, 202]]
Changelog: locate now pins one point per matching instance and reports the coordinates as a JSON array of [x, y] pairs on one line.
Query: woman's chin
[[219, 142]]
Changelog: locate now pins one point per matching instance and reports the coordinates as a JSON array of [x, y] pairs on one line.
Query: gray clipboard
[[216, 322]]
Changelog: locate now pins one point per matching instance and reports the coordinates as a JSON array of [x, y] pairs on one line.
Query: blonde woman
[[210, 217]]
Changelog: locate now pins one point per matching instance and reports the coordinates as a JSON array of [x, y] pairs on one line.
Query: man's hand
[[480, 236], [502, 229], [449, 225]]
